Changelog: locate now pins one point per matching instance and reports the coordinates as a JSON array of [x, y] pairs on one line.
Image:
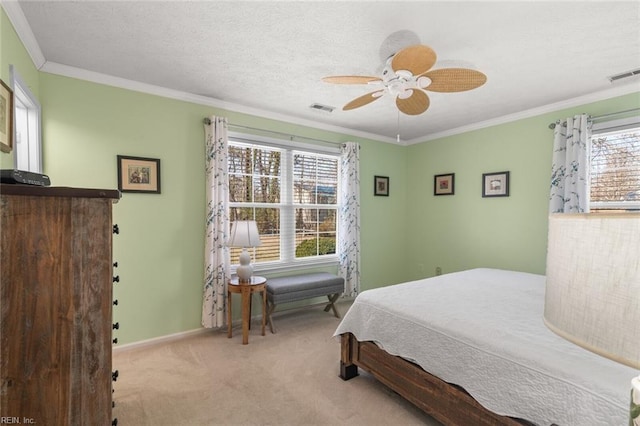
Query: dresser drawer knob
[[116, 326], [116, 230], [115, 302], [115, 375], [115, 341], [116, 279], [114, 422], [115, 264]]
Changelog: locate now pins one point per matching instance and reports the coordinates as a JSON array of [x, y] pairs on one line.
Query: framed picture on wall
[[444, 184], [138, 174], [6, 118], [381, 185], [495, 184]]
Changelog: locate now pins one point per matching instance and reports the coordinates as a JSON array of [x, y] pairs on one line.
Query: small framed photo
[[495, 184], [381, 185], [6, 118], [444, 184], [138, 174]]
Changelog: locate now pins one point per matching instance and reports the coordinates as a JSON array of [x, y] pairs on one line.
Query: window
[[28, 145], [292, 194], [615, 165]]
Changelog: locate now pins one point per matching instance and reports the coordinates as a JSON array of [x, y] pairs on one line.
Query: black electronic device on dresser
[[24, 177]]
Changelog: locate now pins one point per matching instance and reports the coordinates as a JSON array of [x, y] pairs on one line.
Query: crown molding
[[19, 21], [82, 74], [533, 112], [95, 77]]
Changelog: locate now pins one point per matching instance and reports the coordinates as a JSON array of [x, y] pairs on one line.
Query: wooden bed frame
[[447, 403]]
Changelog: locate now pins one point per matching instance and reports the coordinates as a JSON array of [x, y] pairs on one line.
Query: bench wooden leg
[[332, 298], [270, 308]]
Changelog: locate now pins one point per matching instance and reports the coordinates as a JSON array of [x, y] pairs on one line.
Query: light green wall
[[12, 52], [383, 225], [160, 242], [465, 230]]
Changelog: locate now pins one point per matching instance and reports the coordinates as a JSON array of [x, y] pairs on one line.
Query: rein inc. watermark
[[6, 420]]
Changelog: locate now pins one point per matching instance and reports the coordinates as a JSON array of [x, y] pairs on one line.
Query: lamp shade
[[244, 233], [593, 283]]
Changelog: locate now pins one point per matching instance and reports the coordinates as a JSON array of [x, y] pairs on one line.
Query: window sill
[[615, 205], [298, 265]]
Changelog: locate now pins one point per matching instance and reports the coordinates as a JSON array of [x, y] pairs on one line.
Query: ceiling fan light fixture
[[404, 74], [423, 82], [405, 94]]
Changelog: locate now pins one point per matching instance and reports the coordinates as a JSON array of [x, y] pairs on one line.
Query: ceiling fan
[[406, 76]]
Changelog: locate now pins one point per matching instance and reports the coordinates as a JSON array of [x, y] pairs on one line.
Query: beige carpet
[[287, 378]]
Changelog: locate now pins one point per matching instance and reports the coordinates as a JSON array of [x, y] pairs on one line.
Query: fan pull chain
[[398, 132]]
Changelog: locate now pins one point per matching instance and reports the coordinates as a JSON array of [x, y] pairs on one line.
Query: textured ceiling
[[270, 56]]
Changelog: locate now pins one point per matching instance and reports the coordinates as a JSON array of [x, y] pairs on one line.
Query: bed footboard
[[449, 404]]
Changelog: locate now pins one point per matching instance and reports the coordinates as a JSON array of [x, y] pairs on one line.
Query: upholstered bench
[[304, 286]]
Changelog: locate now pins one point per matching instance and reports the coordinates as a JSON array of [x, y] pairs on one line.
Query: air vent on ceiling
[[320, 107], [622, 75]]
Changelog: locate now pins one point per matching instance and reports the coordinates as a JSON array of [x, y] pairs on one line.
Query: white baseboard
[[176, 336], [160, 340], [184, 334]]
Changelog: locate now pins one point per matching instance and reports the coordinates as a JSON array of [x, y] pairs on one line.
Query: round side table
[[246, 290]]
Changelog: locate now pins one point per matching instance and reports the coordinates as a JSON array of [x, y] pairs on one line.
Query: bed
[[471, 348]]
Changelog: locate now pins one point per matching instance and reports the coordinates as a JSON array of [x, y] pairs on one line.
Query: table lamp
[[593, 287], [244, 233]]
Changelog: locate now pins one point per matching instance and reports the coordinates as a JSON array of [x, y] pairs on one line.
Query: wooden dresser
[[56, 305]]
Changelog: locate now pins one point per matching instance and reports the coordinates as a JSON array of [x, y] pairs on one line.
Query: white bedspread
[[482, 329]]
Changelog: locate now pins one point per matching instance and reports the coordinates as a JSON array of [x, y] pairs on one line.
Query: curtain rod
[[290, 136], [613, 114]]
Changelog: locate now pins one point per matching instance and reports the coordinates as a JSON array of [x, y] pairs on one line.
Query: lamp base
[[244, 270]]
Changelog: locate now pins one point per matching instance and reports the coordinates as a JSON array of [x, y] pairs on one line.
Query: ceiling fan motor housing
[[401, 83]]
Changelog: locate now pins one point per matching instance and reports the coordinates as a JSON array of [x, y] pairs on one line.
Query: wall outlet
[[438, 270]]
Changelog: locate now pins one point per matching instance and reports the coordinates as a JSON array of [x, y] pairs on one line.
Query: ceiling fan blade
[[454, 80], [350, 79], [418, 59], [363, 100], [415, 104]]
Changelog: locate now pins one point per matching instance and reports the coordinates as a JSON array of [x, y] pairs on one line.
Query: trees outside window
[[615, 169]]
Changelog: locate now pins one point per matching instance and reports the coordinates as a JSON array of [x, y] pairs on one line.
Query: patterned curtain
[[216, 254], [349, 226], [570, 167]]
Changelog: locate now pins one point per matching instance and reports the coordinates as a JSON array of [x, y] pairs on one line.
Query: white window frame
[[611, 127], [288, 261], [27, 150]]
